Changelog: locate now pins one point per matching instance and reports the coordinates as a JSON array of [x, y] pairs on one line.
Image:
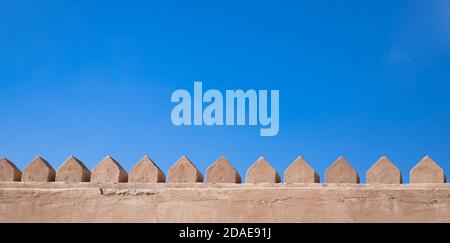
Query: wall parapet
[[109, 194], [221, 171]]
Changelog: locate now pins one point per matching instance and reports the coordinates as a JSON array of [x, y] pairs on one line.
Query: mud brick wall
[[109, 194]]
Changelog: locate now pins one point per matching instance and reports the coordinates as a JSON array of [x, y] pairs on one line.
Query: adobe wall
[[110, 194], [196, 202]]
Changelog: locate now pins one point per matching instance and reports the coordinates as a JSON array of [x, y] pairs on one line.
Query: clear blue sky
[[356, 78]]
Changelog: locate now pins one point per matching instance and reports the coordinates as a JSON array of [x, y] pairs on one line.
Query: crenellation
[[220, 171], [113, 195], [109, 171], [38, 170], [184, 171]]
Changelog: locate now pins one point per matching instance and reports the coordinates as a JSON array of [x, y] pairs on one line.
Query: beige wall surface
[[227, 202]]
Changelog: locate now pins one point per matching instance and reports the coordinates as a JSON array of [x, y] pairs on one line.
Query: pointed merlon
[[8, 171], [108, 171], [146, 171], [73, 170], [262, 172], [341, 172], [383, 172], [184, 171], [300, 172], [221, 171], [38, 170], [427, 171]]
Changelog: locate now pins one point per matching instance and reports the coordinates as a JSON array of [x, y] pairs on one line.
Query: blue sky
[[356, 78]]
